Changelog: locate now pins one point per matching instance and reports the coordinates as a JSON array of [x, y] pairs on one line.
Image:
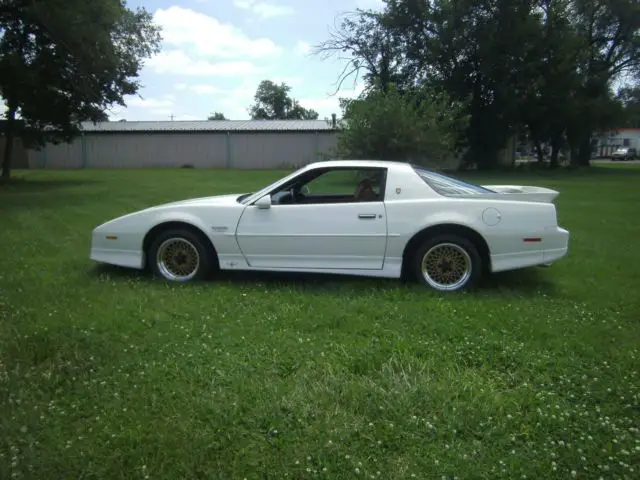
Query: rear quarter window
[[449, 186]]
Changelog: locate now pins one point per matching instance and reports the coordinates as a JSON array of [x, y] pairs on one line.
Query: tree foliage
[[217, 116], [543, 68], [67, 61], [272, 102], [390, 125], [373, 48], [629, 97]]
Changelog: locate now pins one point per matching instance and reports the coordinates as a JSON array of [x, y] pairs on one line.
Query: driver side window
[[336, 185]]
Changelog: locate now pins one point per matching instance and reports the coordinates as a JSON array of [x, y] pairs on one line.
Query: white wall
[[626, 137], [174, 149]]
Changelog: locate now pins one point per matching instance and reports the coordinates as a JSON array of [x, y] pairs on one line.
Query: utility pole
[[171, 117]]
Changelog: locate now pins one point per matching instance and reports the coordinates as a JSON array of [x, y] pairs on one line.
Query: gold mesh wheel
[[446, 266], [178, 259]]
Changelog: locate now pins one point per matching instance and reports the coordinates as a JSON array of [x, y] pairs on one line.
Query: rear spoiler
[[525, 193]]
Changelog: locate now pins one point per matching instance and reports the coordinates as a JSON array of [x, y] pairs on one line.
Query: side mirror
[[264, 202]]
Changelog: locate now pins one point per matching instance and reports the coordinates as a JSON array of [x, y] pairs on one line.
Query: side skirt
[[391, 268]]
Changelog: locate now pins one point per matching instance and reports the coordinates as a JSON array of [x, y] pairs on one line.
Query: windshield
[[243, 197], [449, 186]]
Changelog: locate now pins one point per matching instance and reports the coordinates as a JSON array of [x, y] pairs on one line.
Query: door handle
[[367, 216]]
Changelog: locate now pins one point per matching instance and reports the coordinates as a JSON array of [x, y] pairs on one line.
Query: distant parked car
[[357, 217], [624, 153]]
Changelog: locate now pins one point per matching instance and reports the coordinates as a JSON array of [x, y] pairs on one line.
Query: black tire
[[185, 239], [457, 245]]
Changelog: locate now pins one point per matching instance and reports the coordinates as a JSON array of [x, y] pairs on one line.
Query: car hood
[[218, 200], [228, 199]]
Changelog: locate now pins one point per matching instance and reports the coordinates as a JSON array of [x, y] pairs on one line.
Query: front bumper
[[123, 250]]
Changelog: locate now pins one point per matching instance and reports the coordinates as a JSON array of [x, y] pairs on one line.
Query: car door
[[328, 229]]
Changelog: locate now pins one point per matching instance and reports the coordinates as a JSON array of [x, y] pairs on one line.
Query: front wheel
[[448, 263], [180, 256]]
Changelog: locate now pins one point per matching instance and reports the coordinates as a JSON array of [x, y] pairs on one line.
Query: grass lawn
[[107, 374]]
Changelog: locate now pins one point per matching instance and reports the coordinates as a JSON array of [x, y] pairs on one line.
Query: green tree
[[67, 61], [272, 102], [610, 34], [476, 52], [375, 52], [216, 116], [544, 67], [629, 97], [479, 50], [390, 125], [547, 101]]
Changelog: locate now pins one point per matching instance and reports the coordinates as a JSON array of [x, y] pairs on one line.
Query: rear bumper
[[556, 245]]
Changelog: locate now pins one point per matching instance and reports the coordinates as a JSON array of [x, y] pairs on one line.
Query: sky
[[216, 52]]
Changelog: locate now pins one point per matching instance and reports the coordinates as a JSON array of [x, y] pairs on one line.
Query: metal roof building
[[246, 144], [211, 126]]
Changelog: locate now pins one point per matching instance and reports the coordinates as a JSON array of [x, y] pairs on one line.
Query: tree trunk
[[555, 149], [584, 154], [9, 134], [537, 144], [581, 151], [539, 152]]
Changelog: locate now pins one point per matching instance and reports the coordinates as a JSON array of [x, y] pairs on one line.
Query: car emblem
[[398, 190]]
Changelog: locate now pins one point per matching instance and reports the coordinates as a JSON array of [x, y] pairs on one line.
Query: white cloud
[[353, 91], [151, 106], [166, 101], [235, 102], [329, 104], [324, 106], [204, 89], [264, 9], [115, 112], [178, 62], [207, 36], [162, 107], [188, 117], [161, 112], [290, 81], [200, 89], [302, 48], [210, 65], [370, 4]]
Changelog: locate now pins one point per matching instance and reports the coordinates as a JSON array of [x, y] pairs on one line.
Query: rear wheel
[[447, 263], [180, 256]]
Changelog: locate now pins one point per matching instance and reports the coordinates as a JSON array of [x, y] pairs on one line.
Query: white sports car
[[354, 217]]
